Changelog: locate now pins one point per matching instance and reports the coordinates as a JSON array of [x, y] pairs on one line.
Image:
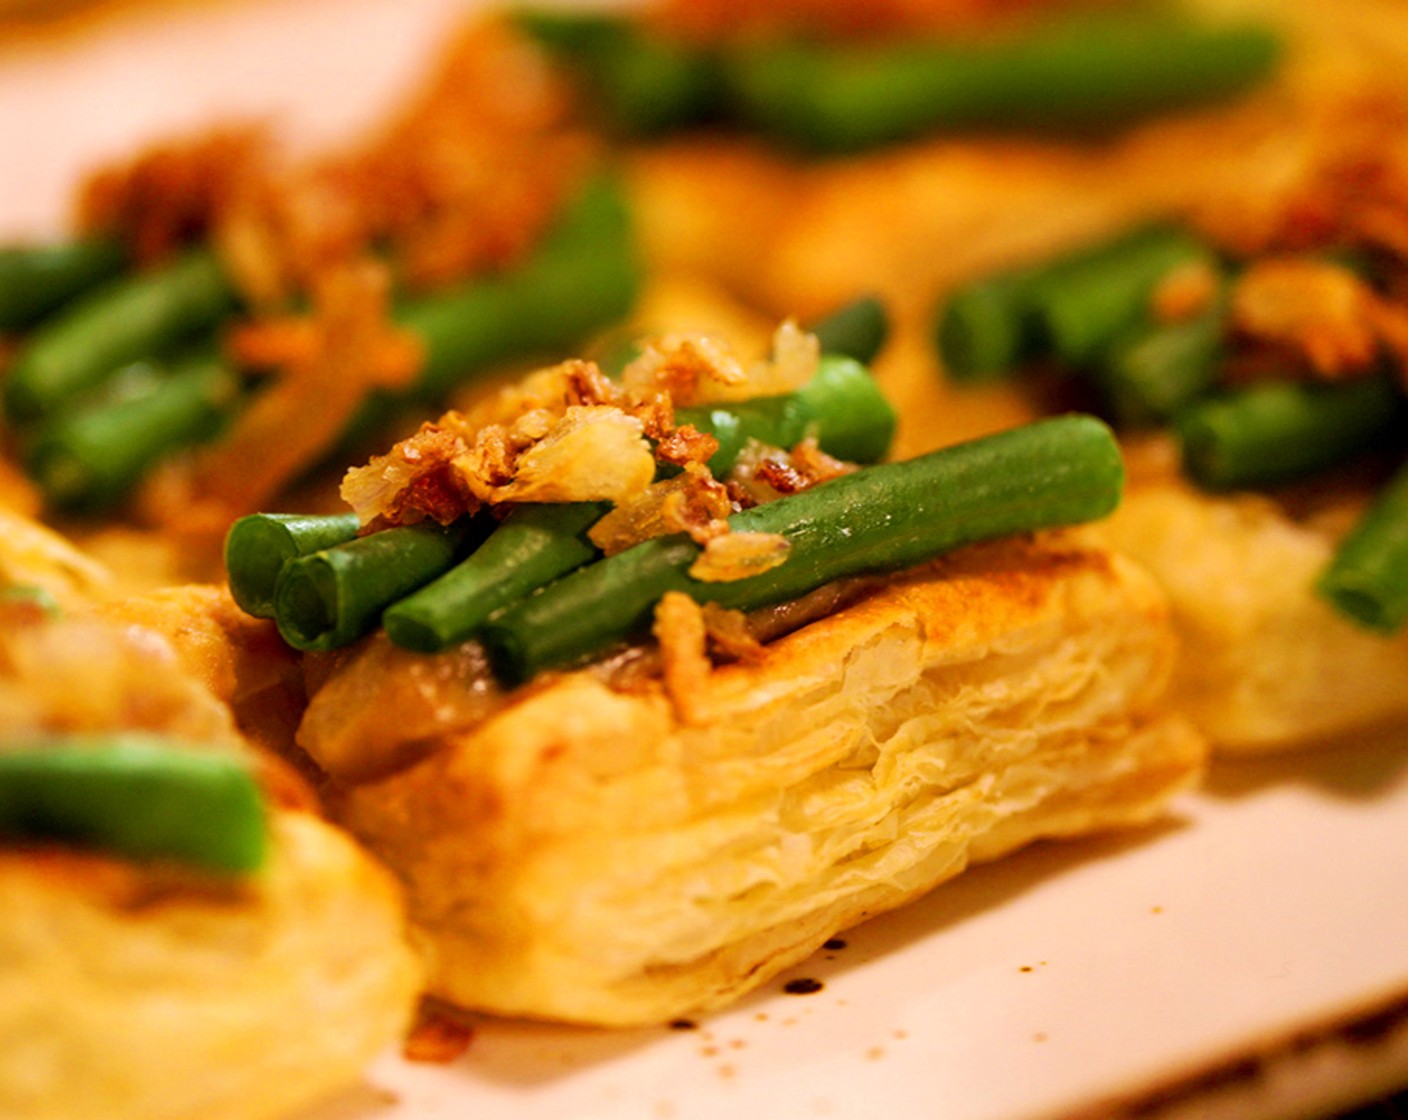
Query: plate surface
[[1249, 958]]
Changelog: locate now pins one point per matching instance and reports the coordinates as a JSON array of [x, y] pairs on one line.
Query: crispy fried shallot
[[734, 556], [692, 502], [174, 191], [696, 369], [685, 667], [1315, 312], [351, 349], [568, 433], [1185, 292], [593, 453], [463, 181], [764, 474], [691, 637], [1339, 179]]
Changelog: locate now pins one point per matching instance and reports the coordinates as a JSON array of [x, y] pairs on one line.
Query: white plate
[[1248, 959]]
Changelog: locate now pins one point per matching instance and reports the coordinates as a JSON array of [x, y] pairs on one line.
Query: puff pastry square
[[599, 856]]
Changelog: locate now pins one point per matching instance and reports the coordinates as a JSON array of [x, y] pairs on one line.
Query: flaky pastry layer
[[1266, 663], [601, 856], [131, 995]]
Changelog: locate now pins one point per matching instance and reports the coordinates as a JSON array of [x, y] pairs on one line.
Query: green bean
[[89, 459], [1072, 307], [1157, 369], [841, 406], [1086, 73], [637, 82], [134, 795], [1084, 301], [857, 329], [986, 329], [532, 546], [331, 597], [881, 518], [126, 320], [38, 279], [258, 545], [1367, 579], [1279, 431], [583, 275]]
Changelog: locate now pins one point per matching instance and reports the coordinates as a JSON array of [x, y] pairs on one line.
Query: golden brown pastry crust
[[1266, 663], [240, 659], [150, 993], [587, 854], [128, 996]]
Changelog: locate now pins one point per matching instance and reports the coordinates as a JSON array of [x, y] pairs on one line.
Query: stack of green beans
[[1099, 70], [133, 795], [433, 587], [881, 518], [1089, 312], [118, 369]]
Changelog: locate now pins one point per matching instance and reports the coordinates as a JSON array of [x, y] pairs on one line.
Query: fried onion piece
[[692, 502], [1338, 179], [294, 421], [696, 369], [685, 667], [731, 638], [685, 444], [286, 229], [593, 453], [468, 176], [690, 635], [764, 474], [735, 556], [173, 192], [416, 479], [1315, 312]]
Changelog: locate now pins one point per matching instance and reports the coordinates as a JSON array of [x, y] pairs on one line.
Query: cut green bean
[[886, 517], [638, 83], [841, 406], [332, 597], [36, 280], [986, 329], [258, 545], [1073, 307], [532, 546], [1093, 72], [134, 795], [1156, 370], [1283, 430], [584, 275], [856, 330], [1083, 302], [1367, 580], [126, 320], [89, 459]]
